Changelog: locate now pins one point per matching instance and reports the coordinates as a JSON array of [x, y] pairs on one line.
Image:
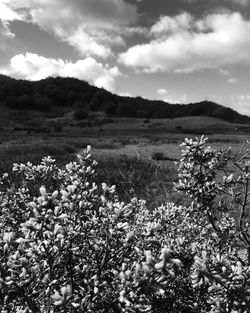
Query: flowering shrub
[[68, 245]]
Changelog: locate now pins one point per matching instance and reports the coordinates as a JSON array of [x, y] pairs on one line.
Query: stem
[[242, 215], [30, 303], [116, 308], [248, 255], [211, 220], [71, 272]]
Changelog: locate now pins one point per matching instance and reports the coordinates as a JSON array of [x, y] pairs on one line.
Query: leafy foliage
[[69, 245]]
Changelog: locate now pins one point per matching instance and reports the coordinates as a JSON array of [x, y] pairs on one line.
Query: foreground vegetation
[[134, 176], [68, 244]]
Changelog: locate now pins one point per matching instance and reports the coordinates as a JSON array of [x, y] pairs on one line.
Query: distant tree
[[128, 110], [85, 96], [198, 111], [23, 88], [224, 113], [58, 96], [80, 104], [104, 96], [11, 101], [8, 89], [72, 97], [110, 108], [80, 115], [95, 104], [165, 111], [25, 102], [43, 104], [1, 95]]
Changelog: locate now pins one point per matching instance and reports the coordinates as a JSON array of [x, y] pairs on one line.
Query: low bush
[[80, 115], [69, 245], [160, 156]]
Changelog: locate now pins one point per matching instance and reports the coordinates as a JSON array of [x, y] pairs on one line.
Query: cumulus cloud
[[232, 80], [91, 26], [6, 16], [162, 91], [169, 25], [185, 44], [173, 98], [35, 67]]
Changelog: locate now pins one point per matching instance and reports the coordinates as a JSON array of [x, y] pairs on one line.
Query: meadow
[[71, 242], [136, 155]]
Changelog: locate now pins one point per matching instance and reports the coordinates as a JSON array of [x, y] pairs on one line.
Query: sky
[[178, 51]]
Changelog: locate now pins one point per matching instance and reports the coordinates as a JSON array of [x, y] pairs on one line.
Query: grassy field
[[136, 155], [133, 175]]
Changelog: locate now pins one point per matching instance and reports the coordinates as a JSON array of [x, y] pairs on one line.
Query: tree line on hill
[[74, 94]]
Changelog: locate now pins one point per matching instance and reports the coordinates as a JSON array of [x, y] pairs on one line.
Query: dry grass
[[135, 156]]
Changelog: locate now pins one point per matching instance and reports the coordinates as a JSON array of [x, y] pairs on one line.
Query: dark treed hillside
[[73, 94]]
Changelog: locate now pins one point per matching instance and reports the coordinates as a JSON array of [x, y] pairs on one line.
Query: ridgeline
[[59, 95]]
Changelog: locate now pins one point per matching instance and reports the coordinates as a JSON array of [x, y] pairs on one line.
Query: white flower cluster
[[69, 245]]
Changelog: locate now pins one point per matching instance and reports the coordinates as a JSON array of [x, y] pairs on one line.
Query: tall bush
[[69, 245]]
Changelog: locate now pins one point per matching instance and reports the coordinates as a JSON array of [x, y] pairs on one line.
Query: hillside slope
[[59, 96]]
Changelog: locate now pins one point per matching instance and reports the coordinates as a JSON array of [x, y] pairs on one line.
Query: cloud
[[91, 26], [6, 16], [35, 67], [5, 35], [162, 91], [173, 99], [5, 31], [220, 2], [138, 30], [223, 72], [241, 103], [232, 80], [168, 25], [168, 97], [85, 43], [240, 2], [184, 44]]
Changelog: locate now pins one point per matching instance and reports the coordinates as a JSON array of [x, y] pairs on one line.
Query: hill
[[59, 96]]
